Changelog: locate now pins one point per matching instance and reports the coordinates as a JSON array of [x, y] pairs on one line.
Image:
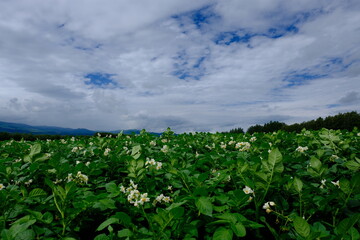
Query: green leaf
[[315, 163], [111, 187], [5, 235], [37, 192], [298, 185], [204, 205], [177, 212], [301, 226], [106, 223], [48, 217], [125, 233], [344, 226], [135, 150], [274, 157], [238, 229], [104, 204], [352, 165], [222, 233], [231, 218], [102, 236], [274, 162], [354, 234], [42, 158], [35, 149]]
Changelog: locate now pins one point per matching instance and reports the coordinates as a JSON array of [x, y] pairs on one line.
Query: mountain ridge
[[10, 127]]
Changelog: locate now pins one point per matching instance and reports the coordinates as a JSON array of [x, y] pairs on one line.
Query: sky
[[205, 65]]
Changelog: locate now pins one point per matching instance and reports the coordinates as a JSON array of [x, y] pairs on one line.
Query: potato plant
[[188, 186]]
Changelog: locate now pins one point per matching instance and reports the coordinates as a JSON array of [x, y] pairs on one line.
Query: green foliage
[[274, 185]]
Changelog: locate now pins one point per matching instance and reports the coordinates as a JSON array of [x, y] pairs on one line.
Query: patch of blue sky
[[200, 17], [332, 105], [295, 79], [185, 70], [228, 38], [289, 26], [324, 69], [187, 75], [101, 80], [91, 48]]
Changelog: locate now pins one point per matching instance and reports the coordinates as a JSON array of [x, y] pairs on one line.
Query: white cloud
[[170, 71]]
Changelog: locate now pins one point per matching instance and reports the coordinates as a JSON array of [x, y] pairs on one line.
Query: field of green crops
[[189, 186]]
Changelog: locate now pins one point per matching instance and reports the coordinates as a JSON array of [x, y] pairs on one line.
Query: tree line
[[342, 121]]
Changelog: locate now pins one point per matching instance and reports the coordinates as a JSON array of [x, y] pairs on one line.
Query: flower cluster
[[301, 149], [267, 206], [243, 146], [133, 194], [79, 178], [152, 162], [162, 199], [223, 145], [252, 139], [76, 149]]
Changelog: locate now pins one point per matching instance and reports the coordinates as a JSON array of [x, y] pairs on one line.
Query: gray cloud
[[170, 70], [350, 98]]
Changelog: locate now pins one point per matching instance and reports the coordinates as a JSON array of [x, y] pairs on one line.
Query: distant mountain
[[50, 130]]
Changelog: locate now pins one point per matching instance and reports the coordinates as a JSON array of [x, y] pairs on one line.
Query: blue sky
[[206, 65]]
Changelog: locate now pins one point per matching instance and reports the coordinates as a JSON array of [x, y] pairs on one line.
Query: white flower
[[165, 149], [337, 183], [2, 186], [144, 198], [77, 162], [323, 182], [166, 199], [158, 165], [106, 152], [301, 149], [153, 143], [253, 139], [28, 182], [122, 189], [87, 164], [358, 134], [159, 198], [150, 162], [267, 206], [82, 178], [70, 177], [164, 140], [247, 190], [333, 157], [169, 188], [243, 146]]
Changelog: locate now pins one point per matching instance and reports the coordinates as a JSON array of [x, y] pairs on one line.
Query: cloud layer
[[189, 65]]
